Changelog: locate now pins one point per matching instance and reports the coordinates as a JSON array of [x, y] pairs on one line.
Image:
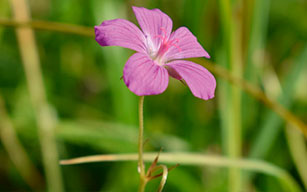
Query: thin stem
[[141, 166], [51, 26], [197, 159], [164, 176], [232, 29], [298, 151], [16, 151], [257, 93], [45, 118]]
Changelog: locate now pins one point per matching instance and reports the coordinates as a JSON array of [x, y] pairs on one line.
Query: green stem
[[232, 29], [16, 151], [298, 151], [196, 159], [50, 26], [141, 167], [45, 118]]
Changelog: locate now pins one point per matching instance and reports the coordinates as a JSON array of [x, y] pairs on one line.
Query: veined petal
[[155, 25], [186, 45], [143, 77], [120, 32], [201, 82]]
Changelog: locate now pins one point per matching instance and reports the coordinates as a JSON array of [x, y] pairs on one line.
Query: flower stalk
[[148, 176], [141, 166]]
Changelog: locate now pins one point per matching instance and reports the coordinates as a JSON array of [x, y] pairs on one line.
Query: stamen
[[165, 43]]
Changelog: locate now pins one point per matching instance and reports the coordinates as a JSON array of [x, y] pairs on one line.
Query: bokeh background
[[76, 104]]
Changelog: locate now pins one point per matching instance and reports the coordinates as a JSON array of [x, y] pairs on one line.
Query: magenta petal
[[201, 82], [154, 24], [187, 45], [143, 77], [120, 32]]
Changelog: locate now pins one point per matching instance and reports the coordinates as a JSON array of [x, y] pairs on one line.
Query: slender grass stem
[[141, 166], [17, 153], [195, 159], [271, 126], [298, 151], [44, 117], [51, 26], [232, 29], [256, 92]]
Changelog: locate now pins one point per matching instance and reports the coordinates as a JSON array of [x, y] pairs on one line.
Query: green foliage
[[96, 113]]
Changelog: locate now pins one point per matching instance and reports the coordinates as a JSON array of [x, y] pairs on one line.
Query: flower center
[[165, 45]]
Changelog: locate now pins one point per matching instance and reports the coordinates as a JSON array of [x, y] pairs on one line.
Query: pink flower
[[158, 50]]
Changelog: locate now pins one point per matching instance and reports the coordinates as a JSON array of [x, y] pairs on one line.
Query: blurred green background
[[83, 108]]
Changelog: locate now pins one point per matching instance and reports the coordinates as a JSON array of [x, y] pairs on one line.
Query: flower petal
[[154, 24], [120, 32], [143, 77], [201, 82], [187, 45]]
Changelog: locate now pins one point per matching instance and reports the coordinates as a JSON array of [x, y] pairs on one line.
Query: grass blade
[[194, 159], [44, 117], [17, 152]]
